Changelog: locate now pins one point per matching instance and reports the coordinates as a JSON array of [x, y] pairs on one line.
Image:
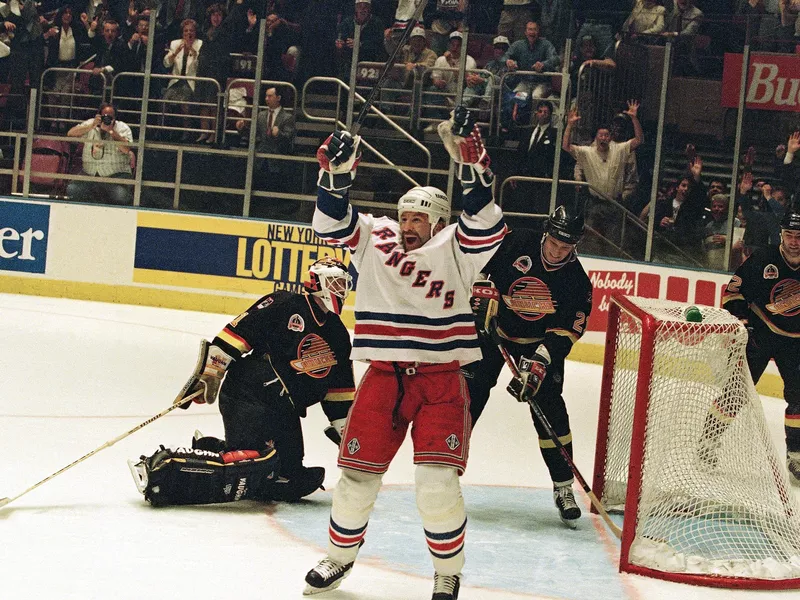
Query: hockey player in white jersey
[[414, 325]]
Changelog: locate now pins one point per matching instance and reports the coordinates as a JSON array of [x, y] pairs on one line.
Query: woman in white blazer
[[182, 59]]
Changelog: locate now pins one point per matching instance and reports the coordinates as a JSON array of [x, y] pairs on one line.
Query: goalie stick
[[540, 416], [388, 65], [180, 400]]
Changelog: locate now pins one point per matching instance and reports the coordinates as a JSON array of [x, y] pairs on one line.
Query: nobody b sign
[[773, 82]]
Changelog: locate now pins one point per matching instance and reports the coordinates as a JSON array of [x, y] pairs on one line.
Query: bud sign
[[773, 82]]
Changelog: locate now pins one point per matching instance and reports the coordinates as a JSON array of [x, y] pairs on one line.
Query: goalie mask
[[427, 200], [329, 281]]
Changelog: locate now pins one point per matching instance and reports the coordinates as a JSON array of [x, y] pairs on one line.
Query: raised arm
[[633, 110], [566, 141]]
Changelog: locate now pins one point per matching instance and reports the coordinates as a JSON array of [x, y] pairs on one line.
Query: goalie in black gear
[[287, 352], [542, 298]]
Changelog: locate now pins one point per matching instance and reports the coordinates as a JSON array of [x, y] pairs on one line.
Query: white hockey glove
[[217, 363], [335, 430], [462, 139], [338, 158], [532, 372], [484, 303]]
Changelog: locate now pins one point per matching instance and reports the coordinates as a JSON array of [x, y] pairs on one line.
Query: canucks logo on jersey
[[530, 299]]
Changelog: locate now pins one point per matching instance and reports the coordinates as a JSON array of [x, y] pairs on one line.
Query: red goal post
[[684, 451]]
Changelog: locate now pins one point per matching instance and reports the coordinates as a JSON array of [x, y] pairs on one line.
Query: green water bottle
[[693, 315]]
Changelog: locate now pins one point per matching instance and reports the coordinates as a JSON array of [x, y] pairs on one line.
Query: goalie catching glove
[[532, 372], [338, 158], [462, 139], [217, 362]]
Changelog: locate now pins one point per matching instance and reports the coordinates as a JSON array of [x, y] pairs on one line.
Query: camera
[[107, 119]]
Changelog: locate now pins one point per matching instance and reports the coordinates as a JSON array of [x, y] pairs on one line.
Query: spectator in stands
[[515, 16], [275, 128], [498, 67], [622, 131], [646, 18], [416, 56], [282, 52], [444, 78], [222, 30], [534, 158], [181, 58], [683, 19], [682, 24], [67, 44], [174, 13], [554, 21], [761, 228], [790, 177], [680, 218], [371, 41], [22, 26], [603, 165], [137, 44], [318, 38], [412, 60], [112, 55], [103, 159], [444, 20], [533, 53], [715, 231], [589, 56]]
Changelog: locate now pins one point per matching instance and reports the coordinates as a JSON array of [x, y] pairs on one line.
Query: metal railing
[[383, 117]]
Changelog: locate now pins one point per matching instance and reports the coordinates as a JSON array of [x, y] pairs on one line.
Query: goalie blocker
[[197, 476]]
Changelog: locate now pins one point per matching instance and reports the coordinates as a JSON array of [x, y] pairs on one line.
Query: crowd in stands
[[515, 53]]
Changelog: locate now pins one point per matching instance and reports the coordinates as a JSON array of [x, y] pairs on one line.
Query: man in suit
[[112, 56], [275, 129], [534, 158]]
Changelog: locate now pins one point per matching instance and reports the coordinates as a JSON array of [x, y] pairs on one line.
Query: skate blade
[[310, 589], [571, 523], [139, 474]]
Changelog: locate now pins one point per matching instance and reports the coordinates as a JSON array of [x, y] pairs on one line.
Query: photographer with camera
[[102, 158]]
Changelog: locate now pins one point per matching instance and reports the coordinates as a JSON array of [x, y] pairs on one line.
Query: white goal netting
[[714, 497]]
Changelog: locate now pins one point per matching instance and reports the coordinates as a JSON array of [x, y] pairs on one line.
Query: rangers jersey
[[307, 349], [766, 287], [539, 303], [414, 306]]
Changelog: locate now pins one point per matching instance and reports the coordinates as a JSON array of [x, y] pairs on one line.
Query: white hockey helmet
[[427, 200], [329, 281]]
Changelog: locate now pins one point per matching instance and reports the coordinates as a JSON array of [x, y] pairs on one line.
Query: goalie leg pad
[[193, 476]]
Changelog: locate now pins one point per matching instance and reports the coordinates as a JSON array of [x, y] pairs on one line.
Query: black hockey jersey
[[766, 287], [307, 349], [537, 302]]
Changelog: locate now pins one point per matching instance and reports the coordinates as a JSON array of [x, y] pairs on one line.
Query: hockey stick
[[180, 400], [388, 65], [545, 423]]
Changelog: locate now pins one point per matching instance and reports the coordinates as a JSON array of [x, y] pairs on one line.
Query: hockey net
[[683, 449]]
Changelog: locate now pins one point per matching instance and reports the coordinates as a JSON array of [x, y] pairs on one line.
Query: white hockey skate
[[139, 472], [445, 587], [568, 509], [327, 575]]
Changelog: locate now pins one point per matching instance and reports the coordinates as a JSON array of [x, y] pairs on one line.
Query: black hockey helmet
[[566, 224], [791, 219]]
